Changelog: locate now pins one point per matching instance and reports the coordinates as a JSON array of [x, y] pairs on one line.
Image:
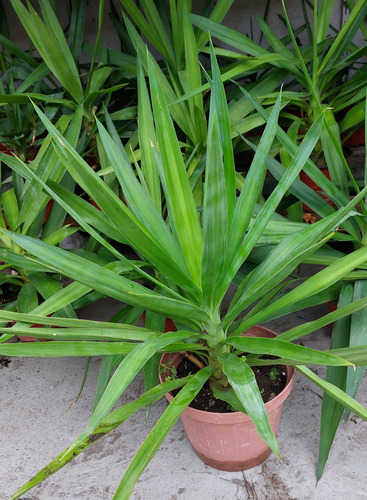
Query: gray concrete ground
[[35, 393]]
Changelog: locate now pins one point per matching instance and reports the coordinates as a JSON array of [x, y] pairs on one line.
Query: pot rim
[[238, 416]]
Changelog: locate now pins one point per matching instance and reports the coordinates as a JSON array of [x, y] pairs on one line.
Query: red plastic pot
[[92, 202], [230, 441], [4, 148], [25, 338], [357, 138], [332, 306], [310, 183], [48, 210], [169, 325]]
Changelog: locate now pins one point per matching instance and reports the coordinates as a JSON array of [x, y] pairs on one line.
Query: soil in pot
[[270, 379]]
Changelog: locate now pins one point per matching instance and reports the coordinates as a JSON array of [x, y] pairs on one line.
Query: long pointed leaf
[[93, 276], [180, 202], [243, 382], [332, 411], [159, 432], [108, 423]]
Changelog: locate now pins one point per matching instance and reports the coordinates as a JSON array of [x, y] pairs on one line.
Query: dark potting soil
[[8, 293], [270, 379]]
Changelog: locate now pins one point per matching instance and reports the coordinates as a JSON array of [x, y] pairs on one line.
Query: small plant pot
[[169, 325], [357, 138], [25, 338], [310, 183], [332, 306], [230, 441]]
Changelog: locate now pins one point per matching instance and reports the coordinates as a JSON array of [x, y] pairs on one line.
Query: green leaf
[[62, 349], [320, 281], [311, 326], [335, 393], [125, 373], [329, 134], [47, 166], [358, 337], [251, 190], [108, 423], [76, 29], [215, 218], [219, 104], [151, 26], [296, 354], [123, 219], [180, 202], [137, 199], [332, 411], [10, 206], [146, 129], [272, 202], [243, 382], [48, 286], [27, 298], [228, 35], [159, 432], [108, 364], [345, 35], [106, 281], [49, 40], [87, 211]]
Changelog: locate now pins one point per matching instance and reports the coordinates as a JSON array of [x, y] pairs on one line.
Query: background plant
[[325, 75], [189, 282]]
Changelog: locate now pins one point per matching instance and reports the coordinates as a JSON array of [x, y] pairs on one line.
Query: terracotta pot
[[48, 210], [310, 183], [4, 148], [169, 325], [92, 202], [230, 441], [332, 306], [25, 338], [357, 138], [9, 150]]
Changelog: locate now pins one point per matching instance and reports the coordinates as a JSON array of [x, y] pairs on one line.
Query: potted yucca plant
[[191, 258]]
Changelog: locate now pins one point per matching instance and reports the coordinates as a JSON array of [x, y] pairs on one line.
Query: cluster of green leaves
[[196, 258], [193, 221], [326, 75], [70, 92]]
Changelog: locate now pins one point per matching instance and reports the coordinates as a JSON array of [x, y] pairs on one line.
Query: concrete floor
[[35, 393]]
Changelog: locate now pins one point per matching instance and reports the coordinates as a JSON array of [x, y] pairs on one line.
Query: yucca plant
[[325, 75], [20, 72], [182, 50], [76, 84], [57, 80], [190, 259], [45, 220]]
